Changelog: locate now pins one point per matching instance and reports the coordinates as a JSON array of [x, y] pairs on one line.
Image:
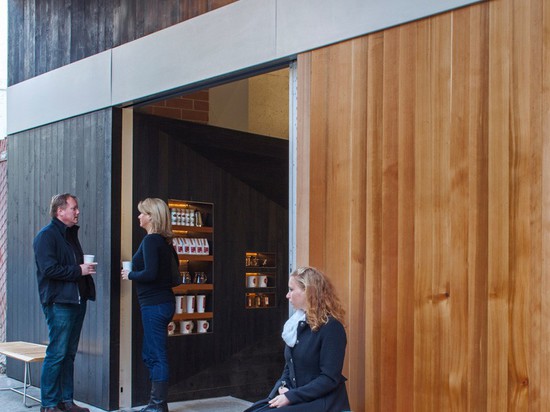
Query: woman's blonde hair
[[160, 216], [321, 298]]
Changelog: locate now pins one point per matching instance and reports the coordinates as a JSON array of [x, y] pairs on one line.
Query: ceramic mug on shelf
[[252, 281], [185, 277], [200, 277], [262, 281], [186, 327], [202, 326]]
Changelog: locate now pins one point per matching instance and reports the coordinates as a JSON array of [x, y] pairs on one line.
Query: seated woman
[[315, 338]]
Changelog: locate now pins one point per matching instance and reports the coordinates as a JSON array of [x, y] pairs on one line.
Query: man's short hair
[[60, 201]]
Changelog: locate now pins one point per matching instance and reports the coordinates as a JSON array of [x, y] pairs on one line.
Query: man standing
[[64, 286]]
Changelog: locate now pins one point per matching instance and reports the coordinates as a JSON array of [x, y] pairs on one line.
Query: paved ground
[[13, 402]]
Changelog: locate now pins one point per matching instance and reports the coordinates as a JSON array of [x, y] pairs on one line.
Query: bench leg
[[26, 384]]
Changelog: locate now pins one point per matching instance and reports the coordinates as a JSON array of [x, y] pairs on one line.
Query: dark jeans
[[64, 325], [155, 320]]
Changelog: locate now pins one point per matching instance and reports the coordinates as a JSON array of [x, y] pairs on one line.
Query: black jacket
[[58, 270], [313, 370]]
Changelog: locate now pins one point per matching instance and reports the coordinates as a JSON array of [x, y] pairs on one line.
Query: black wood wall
[[44, 35], [243, 357], [80, 156]]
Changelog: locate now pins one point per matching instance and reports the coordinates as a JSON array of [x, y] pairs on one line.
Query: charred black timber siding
[[239, 173], [44, 35], [81, 156]]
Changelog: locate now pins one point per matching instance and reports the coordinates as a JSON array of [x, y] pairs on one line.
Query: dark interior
[[245, 176]]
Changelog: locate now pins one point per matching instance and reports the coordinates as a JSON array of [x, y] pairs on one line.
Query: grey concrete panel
[[77, 88], [238, 37], [223, 41]]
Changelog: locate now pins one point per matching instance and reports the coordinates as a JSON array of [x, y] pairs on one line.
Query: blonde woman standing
[[151, 276]]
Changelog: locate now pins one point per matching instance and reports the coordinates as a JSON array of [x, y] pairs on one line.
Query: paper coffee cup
[[127, 265], [179, 304], [89, 258], [201, 303], [190, 303]]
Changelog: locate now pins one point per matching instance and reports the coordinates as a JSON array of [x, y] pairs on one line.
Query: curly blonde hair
[[160, 216], [321, 298]]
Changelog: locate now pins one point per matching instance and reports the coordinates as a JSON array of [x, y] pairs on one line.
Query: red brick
[[180, 103], [200, 95], [201, 105]]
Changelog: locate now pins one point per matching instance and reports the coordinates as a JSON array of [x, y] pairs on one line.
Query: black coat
[[58, 265], [313, 370]]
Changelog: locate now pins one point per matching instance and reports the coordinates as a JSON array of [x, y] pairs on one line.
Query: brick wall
[[3, 245], [192, 107]]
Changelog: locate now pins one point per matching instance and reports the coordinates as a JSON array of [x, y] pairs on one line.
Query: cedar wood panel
[[423, 191]]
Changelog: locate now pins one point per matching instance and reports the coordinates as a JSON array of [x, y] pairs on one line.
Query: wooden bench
[[26, 352]]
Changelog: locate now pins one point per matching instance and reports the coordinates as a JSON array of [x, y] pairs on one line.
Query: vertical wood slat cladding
[[74, 156], [47, 34], [428, 206]]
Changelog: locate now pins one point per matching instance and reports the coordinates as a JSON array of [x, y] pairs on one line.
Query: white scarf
[[290, 330]]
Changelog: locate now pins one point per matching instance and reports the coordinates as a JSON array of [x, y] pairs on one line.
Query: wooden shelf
[[260, 290], [196, 258], [190, 334], [192, 287], [263, 267], [192, 316], [182, 230], [194, 263]]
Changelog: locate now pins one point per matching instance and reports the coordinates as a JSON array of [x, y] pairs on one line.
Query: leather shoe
[[70, 406], [52, 409]]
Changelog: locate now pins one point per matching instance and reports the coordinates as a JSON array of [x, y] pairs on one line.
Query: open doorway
[[228, 147]]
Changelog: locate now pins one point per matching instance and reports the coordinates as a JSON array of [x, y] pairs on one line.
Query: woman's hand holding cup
[[126, 269]]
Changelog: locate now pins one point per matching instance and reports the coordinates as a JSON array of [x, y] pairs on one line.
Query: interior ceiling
[[259, 161]]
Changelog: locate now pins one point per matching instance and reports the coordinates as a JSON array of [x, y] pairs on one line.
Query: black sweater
[[151, 270]]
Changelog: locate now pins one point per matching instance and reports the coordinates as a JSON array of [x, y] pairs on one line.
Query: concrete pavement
[[13, 402]]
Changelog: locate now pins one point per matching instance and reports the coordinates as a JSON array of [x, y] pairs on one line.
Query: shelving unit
[[192, 221], [260, 280]]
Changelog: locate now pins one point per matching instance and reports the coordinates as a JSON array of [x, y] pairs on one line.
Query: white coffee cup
[[186, 326], [201, 303], [252, 281], [89, 258], [262, 281], [127, 265], [202, 326], [179, 304], [190, 303], [171, 328]]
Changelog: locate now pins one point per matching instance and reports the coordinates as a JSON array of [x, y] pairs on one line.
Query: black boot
[[159, 394]]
